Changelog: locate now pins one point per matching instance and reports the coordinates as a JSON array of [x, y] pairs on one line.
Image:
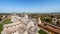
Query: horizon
[[29, 6]]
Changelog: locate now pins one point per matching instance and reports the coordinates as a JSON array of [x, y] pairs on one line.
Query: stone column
[[39, 20]]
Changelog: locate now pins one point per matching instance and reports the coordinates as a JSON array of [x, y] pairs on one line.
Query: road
[[50, 27]]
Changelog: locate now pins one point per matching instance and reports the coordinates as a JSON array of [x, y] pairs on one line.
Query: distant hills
[[34, 13]]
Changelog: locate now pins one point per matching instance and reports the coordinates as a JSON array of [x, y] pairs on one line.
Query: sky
[[29, 6]]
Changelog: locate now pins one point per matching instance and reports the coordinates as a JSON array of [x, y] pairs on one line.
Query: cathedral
[[21, 25]]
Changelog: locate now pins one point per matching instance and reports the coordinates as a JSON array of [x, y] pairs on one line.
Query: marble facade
[[21, 25]]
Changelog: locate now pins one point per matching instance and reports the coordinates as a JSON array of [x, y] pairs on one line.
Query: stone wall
[[11, 28]]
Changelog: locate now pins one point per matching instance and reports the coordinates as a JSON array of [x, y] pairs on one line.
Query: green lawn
[[1, 28], [7, 21], [42, 32]]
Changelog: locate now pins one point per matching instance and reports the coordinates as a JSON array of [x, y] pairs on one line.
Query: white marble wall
[[11, 27]]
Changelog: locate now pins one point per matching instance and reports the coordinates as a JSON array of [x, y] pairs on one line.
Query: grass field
[[7, 21], [42, 32]]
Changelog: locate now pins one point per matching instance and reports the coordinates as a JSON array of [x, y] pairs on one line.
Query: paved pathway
[[3, 20]]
